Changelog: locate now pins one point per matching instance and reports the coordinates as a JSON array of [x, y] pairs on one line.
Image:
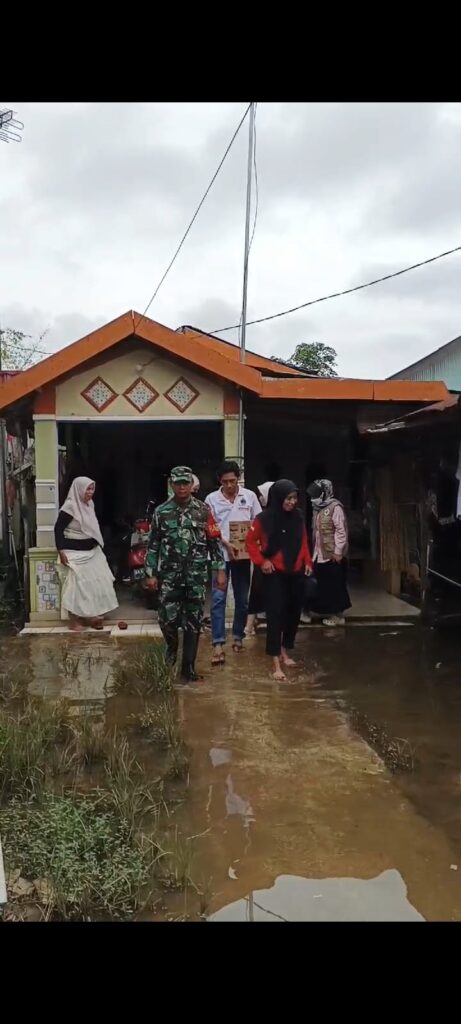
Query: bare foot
[[278, 672], [251, 625], [75, 625], [286, 660]]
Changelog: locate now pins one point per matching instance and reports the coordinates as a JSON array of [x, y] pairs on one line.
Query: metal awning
[[428, 415]]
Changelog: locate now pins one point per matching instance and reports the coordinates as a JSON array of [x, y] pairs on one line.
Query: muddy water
[[296, 816]]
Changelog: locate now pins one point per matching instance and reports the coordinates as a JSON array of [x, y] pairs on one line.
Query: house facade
[[127, 402]]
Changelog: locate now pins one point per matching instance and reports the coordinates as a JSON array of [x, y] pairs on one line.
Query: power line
[[199, 207], [346, 291]]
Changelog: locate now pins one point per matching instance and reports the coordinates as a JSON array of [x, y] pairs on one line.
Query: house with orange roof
[[133, 398]]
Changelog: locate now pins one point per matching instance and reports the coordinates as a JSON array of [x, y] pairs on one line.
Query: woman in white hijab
[[87, 582], [255, 602]]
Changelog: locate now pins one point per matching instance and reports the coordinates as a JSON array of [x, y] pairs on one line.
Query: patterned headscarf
[[326, 496]]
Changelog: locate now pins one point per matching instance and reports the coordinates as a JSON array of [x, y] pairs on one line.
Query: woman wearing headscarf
[[277, 543], [88, 584], [256, 599], [330, 535]]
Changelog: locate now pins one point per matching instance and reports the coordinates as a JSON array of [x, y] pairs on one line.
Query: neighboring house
[[129, 401], [443, 364]]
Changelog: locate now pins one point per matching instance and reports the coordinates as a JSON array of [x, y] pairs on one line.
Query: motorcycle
[[138, 540]]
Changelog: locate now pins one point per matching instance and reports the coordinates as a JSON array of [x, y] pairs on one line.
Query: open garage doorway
[[130, 462]]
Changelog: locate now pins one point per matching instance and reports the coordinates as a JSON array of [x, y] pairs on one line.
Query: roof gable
[[73, 356]]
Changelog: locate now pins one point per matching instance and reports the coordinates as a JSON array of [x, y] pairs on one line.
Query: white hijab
[[264, 492], [82, 513]]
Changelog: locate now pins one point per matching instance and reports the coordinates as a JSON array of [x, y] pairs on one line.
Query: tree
[[19, 350], [316, 357]]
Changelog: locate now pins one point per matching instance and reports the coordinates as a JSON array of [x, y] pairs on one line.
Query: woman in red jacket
[[277, 542]]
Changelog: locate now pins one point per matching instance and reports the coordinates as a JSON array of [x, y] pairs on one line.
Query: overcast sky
[[96, 197]]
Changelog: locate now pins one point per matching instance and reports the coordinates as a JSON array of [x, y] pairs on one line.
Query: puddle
[[293, 810], [330, 899]]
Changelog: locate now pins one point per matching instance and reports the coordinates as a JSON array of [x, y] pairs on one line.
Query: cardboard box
[[237, 537]]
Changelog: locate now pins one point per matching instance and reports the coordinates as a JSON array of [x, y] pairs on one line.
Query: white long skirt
[[88, 584]]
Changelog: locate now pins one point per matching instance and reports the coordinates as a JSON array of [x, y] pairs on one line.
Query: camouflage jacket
[[181, 538]]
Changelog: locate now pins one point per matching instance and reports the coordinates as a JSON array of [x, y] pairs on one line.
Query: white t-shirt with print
[[244, 508]]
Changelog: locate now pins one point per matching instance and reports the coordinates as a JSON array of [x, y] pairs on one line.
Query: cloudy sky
[[96, 197]]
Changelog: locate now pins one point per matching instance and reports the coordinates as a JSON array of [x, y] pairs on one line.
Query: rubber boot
[[189, 654], [171, 649]]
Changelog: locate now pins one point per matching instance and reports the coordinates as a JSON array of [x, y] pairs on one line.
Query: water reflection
[[383, 898], [285, 788]]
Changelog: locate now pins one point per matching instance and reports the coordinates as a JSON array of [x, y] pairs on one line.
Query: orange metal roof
[[356, 390], [214, 357], [233, 352]]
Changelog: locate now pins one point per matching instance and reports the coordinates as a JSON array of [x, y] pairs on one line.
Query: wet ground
[[337, 797]]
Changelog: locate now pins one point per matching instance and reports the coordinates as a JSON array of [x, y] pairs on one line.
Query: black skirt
[[332, 597], [256, 599]]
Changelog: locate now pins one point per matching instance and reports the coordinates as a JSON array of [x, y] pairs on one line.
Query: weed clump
[[87, 863], [148, 672]]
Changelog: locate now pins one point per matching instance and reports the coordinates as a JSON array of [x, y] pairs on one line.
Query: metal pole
[[4, 527], [241, 446]]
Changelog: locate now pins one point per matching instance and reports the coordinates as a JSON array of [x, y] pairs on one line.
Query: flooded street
[[337, 797]]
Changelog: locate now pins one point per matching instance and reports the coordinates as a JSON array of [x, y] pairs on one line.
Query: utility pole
[[241, 427], [4, 538]]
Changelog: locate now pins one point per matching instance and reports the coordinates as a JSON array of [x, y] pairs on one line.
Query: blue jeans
[[240, 573]]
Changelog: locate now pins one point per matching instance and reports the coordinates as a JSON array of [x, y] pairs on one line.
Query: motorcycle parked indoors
[[135, 544]]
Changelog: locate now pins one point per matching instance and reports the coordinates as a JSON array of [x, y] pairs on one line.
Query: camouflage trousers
[[181, 604]]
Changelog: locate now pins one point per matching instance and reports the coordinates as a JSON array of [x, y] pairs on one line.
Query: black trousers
[[283, 598]]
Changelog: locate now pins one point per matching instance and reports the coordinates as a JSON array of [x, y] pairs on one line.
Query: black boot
[[189, 654], [171, 652]]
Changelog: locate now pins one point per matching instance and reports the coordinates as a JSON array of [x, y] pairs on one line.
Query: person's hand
[[221, 579], [267, 567], [150, 583], [63, 557], [232, 551], [308, 570], [337, 558]]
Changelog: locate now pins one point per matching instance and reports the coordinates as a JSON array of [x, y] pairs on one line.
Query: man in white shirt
[[231, 504]]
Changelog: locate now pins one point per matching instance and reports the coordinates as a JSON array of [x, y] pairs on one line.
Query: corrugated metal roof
[[416, 417]]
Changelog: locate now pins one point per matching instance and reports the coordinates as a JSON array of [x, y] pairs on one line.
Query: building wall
[[118, 374], [444, 364]]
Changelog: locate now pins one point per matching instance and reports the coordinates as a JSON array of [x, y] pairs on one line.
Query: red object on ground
[[123, 625]]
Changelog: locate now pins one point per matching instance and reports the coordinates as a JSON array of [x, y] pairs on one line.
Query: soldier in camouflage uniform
[[183, 533]]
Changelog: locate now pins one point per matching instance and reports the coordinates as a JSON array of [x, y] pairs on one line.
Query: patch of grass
[[178, 764], [146, 673], [176, 865], [397, 752], [90, 743], [126, 794], [13, 685], [28, 745], [88, 865], [160, 723]]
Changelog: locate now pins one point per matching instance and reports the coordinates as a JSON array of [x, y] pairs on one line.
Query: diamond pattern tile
[[181, 394], [99, 394], [141, 394]]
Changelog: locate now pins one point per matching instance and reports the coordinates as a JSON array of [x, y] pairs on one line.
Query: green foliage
[[316, 357], [92, 866], [19, 350]]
